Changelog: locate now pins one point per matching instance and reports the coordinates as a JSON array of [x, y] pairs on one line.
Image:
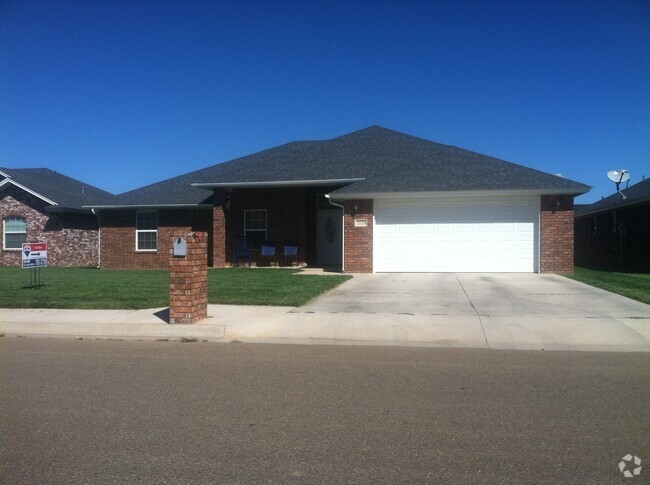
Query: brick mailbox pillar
[[188, 278]]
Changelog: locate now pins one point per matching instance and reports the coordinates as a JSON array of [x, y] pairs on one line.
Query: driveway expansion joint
[[480, 321]]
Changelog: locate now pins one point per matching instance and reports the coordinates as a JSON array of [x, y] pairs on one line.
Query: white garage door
[[453, 234]]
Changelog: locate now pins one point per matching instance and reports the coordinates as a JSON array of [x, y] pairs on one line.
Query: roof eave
[[453, 193], [60, 209], [149, 206], [612, 207]]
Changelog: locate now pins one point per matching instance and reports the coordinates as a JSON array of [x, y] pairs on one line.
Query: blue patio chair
[[290, 251], [268, 252], [242, 251]]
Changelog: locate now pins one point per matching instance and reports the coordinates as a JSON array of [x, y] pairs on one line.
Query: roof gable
[[58, 190]]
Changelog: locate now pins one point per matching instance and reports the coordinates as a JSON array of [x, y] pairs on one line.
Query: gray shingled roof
[[635, 194], [387, 160], [66, 192]]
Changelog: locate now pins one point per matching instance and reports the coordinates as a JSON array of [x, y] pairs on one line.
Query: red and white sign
[[34, 255]]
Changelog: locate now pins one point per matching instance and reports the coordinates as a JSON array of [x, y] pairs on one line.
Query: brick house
[[374, 200], [614, 233], [40, 205]]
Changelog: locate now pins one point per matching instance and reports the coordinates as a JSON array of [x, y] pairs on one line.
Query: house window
[[15, 232], [255, 227], [146, 232]]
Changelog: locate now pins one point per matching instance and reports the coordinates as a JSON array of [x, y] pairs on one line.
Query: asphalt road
[[169, 412]]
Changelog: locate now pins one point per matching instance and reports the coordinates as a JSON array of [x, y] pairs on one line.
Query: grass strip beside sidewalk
[[631, 285], [90, 288]]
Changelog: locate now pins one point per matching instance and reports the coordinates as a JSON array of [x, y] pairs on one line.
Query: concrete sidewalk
[[287, 325]]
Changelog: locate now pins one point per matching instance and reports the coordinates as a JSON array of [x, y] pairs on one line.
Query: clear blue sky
[[121, 94]]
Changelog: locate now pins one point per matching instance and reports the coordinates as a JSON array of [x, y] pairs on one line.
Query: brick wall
[[285, 216], [219, 237], [358, 240], [72, 238], [188, 280], [556, 234], [118, 249]]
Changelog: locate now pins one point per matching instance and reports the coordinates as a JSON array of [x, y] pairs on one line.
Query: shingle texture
[[67, 192], [635, 194], [389, 161]]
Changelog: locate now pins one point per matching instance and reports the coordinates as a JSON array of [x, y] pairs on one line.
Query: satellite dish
[[619, 176]]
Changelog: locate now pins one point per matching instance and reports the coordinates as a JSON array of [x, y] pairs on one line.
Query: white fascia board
[[274, 183], [149, 206], [20, 186], [458, 193], [5, 174]]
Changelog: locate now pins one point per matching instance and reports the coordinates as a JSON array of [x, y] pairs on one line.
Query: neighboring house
[[40, 205], [614, 233], [374, 200]]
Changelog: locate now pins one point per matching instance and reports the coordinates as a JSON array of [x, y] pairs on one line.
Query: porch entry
[[329, 237]]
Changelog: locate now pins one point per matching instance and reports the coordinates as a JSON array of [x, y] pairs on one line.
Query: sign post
[[34, 258]]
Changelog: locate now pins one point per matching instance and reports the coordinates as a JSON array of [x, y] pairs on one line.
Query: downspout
[[329, 199], [99, 238]]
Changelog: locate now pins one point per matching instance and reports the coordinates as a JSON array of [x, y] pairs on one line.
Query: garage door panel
[[505, 227], [526, 246], [472, 236], [505, 245]]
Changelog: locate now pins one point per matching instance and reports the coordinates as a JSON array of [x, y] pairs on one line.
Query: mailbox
[[180, 247]]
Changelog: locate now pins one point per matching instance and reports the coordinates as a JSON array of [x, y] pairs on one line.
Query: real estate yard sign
[[34, 255]]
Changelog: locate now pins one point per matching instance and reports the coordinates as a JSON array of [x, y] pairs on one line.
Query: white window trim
[[138, 231], [5, 232], [266, 222]]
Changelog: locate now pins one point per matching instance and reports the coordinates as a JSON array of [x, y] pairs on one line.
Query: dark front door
[[329, 238]]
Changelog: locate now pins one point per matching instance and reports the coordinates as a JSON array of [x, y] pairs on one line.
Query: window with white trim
[[255, 227], [146, 231], [14, 232]]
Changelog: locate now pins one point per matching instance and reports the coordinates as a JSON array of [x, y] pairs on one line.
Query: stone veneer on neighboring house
[[72, 238]]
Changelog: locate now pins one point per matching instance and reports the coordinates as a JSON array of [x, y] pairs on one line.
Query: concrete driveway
[[497, 311], [532, 311]]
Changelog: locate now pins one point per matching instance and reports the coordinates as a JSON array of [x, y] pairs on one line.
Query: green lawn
[[90, 288], [632, 285]]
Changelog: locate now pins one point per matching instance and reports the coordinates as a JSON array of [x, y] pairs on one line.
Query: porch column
[[219, 230]]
